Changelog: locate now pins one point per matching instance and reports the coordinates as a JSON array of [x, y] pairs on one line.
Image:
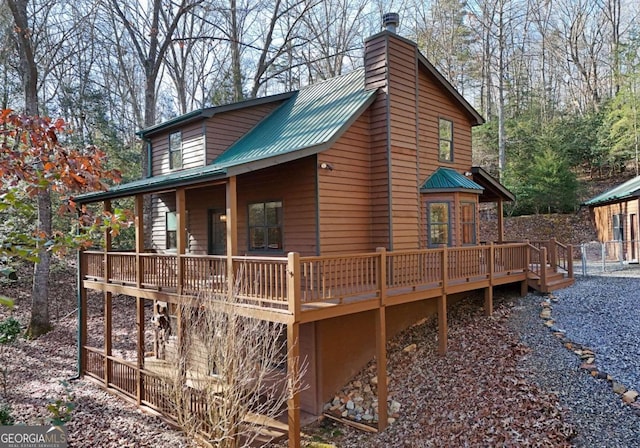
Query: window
[[468, 222], [445, 131], [175, 150], [265, 226], [618, 227], [171, 226], [438, 222]]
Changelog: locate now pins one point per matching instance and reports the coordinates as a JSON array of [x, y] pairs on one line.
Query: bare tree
[[232, 369]]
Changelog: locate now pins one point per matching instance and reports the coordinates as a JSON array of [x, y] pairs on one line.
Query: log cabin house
[[352, 205], [615, 216]]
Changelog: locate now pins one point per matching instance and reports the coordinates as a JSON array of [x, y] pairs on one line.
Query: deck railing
[[261, 281], [416, 268], [338, 277], [264, 282]]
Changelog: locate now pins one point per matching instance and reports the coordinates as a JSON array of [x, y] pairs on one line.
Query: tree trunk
[[40, 323]]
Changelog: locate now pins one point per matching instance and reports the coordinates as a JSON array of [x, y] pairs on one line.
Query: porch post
[[139, 227], [293, 370], [232, 229], [500, 220], [181, 236], [108, 302]]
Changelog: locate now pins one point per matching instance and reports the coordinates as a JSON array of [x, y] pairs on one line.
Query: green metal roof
[[445, 179], [208, 112], [313, 119], [156, 183], [309, 121], [625, 190]]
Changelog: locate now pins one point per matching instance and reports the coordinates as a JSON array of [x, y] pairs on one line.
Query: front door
[[217, 232]]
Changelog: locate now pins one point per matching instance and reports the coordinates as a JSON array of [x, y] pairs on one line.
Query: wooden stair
[[554, 281]]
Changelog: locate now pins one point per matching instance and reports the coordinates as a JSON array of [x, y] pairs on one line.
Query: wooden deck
[[295, 290], [305, 289]]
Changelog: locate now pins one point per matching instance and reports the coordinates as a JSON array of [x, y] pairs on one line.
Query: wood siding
[[435, 103], [192, 149], [344, 193], [199, 202], [222, 130], [603, 218], [293, 183], [160, 205]]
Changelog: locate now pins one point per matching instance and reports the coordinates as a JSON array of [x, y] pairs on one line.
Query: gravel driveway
[[602, 313]]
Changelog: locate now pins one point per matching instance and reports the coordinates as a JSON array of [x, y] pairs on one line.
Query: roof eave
[[210, 112], [612, 200], [490, 180], [473, 113], [452, 190], [121, 191]]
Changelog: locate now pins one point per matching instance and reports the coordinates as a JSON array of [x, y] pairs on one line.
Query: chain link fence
[[596, 258]]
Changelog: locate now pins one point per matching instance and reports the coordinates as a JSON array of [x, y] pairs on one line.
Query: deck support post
[[293, 370], [140, 348], [108, 302], [108, 334], [488, 301], [381, 362], [82, 331], [442, 324]]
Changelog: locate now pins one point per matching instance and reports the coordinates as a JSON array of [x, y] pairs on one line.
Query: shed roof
[[447, 179], [628, 189]]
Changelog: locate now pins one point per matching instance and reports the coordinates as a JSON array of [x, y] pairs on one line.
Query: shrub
[[6, 419], [9, 330]]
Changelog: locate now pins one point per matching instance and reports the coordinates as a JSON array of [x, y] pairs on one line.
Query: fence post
[[603, 251], [583, 258], [570, 260]]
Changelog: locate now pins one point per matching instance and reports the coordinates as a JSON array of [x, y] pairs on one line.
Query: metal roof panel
[[625, 190], [449, 179], [312, 117]]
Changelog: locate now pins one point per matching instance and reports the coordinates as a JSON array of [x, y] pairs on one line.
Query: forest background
[[556, 80]]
